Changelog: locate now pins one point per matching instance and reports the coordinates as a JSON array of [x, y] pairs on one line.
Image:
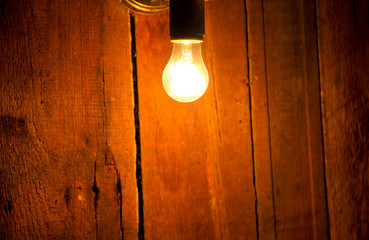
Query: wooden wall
[[343, 29], [91, 146]]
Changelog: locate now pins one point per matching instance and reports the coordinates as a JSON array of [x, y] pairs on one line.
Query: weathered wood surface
[[243, 162], [225, 51], [66, 121], [343, 30], [197, 166], [260, 120], [292, 85]]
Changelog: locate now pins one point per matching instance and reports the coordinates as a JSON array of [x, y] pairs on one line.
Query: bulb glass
[[185, 77]]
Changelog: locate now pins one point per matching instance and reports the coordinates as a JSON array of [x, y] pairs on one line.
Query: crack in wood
[[141, 229], [252, 138], [268, 113], [67, 197], [321, 121], [96, 191], [120, 199], [251, 124], [109, 154]]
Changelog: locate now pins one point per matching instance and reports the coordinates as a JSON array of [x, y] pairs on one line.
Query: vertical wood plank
[[60, 166], [225, 52], [260, 119], [195, 155], [54, 126], [296, 146], [116, 175], [343, 30]]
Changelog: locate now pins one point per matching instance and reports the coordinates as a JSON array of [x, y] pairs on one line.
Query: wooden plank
[[260, 120], [225, 51], [197, 157], [296, 146], [120, 150], [50, 171], [116, 176], [54, 122], [343, 30]]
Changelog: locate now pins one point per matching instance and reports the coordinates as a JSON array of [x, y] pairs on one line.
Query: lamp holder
[[187, 20]]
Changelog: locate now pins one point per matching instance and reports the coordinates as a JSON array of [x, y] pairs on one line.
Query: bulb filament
[[187, 56]]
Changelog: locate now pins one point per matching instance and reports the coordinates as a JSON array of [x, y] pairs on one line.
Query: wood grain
[[58, 118], [294, 115], [343, 29]]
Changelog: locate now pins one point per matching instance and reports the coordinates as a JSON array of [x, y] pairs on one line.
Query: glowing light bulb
[[185, 77]]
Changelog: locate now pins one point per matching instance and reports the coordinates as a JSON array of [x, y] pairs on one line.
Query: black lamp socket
[[187, 20]]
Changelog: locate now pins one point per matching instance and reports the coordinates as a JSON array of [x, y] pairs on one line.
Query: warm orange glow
[[185, 77]]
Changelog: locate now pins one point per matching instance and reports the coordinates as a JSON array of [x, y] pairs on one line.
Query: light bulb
[[185, 77]]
